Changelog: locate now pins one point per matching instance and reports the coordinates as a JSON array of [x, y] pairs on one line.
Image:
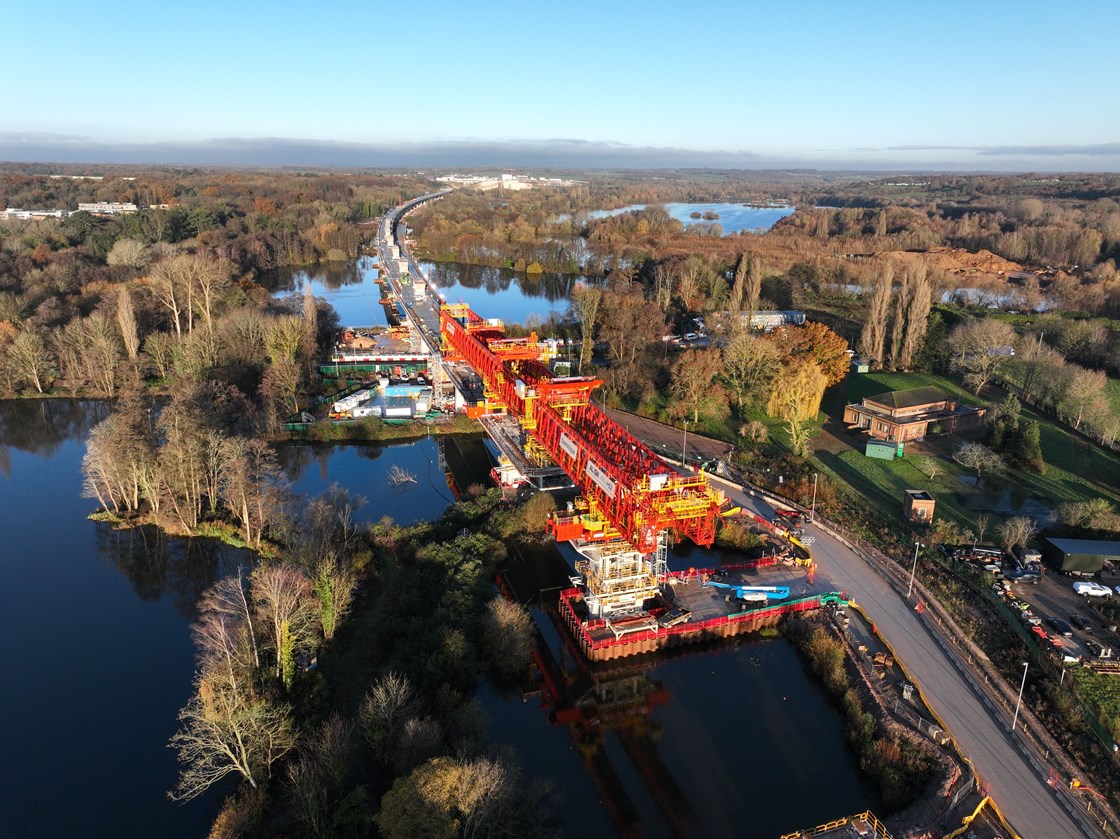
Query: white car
[[1092, 589]]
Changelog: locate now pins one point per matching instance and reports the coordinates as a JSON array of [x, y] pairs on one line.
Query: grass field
[[1101, 690], [1076, 470]]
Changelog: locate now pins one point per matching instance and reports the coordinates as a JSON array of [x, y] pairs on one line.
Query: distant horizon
[[955, 86], [26, 148]]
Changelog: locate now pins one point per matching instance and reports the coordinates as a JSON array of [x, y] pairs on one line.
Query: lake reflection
[[348, 286], [684, 743], [500, 293], [96, 629]]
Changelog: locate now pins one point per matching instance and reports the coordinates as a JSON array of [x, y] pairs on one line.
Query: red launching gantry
[[629, 493]]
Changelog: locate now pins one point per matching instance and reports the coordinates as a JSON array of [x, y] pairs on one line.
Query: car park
[[1059, 626], [1081, 623]]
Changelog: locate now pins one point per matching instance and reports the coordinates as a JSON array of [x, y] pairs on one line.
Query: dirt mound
[[956, 261]]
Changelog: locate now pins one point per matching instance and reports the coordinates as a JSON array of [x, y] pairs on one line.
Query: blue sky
[[975, 84]]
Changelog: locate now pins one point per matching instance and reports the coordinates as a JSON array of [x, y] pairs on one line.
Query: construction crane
[[631, 498], [753, 593]]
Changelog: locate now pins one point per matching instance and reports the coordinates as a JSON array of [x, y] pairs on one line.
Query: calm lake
[[720, 741], [733, 218], [492, 292]]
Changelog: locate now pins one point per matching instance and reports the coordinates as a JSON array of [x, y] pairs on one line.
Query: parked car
[[1088, 589], [1081, 623], [1059, 626]]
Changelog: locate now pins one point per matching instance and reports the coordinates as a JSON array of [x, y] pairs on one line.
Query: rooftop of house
[[911, 398]]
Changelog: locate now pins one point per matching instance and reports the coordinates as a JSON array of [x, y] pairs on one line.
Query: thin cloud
[[279, 151], [1093, 150]]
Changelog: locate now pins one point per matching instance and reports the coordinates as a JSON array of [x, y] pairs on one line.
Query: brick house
[[902, 415]]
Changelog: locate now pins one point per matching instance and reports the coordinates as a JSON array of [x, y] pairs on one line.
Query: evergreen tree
[[933, 357], [1028, 449]]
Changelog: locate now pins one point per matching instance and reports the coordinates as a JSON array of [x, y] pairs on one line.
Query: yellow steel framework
[[864, 822]]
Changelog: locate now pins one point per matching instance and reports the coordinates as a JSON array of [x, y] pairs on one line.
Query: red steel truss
[[624, 480]]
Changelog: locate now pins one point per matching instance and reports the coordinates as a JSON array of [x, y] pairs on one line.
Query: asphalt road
[[1024, 797]]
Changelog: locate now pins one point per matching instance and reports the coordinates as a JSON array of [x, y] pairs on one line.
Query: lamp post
[[913, 568], [1019, 701], [813, 510]]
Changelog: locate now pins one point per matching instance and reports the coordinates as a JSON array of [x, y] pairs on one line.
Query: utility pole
[[813, 510], [684, 442], [913, 568], [1019, 701]]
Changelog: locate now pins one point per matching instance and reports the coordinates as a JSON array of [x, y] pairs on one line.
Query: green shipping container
[[881, 450]]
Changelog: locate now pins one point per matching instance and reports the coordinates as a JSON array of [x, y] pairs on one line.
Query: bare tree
[[919, 299], [129, 252], [389, 704], [251, 487], [282, 601], [316, 778], [629, 324], [585, 306], [227, 600], [977, 456], [873, 339], [692, 276], [983, 521], [930, 466], [159, 348], [980, 349], [1085, 388], [167, 284], [1016, 532], [31, 359], [212, 277], [126, 323], [224, 732], [102, 353]]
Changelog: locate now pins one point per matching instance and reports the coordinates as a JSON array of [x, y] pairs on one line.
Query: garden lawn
[[1077, 470]]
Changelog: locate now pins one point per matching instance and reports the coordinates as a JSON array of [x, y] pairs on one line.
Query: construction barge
[[696, 606]]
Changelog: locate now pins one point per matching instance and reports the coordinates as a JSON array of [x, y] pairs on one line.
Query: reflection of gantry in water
[[631, 498], [595, 703]]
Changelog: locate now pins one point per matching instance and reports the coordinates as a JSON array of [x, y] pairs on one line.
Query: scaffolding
[[631, 498], [618, 578]]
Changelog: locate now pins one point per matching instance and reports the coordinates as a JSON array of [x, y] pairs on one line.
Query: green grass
[[1112, 393], [1076, 470], [1101, 690], [856, 386]]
